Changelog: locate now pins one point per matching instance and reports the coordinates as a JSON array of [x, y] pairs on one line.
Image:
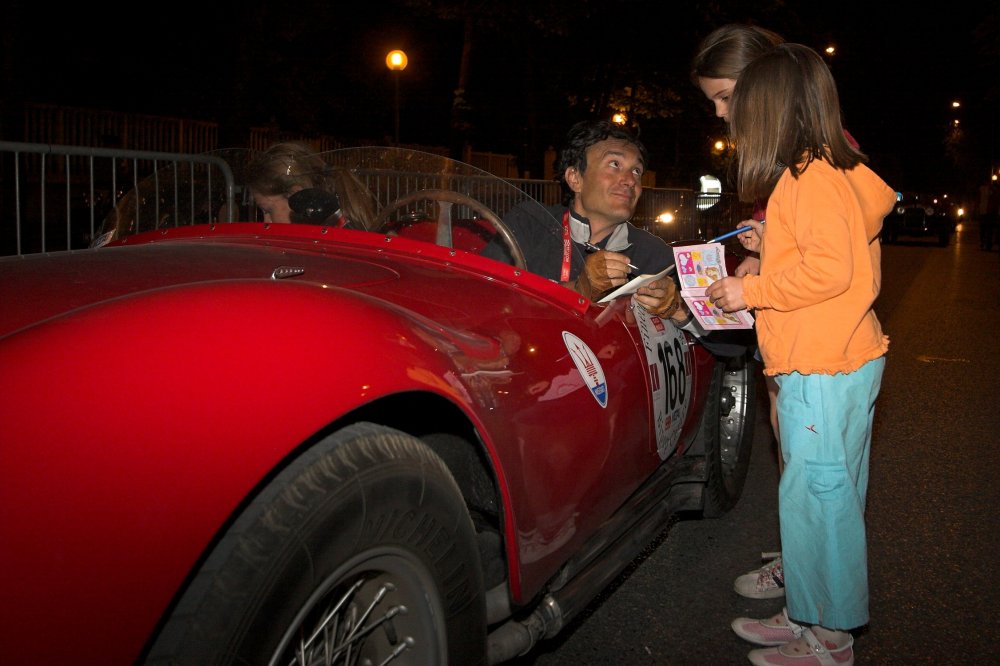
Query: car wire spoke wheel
[[371, 611], [728, 431], [735, 408], [361, 552]]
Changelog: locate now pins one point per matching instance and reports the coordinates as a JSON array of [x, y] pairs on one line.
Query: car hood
[[35, 288]]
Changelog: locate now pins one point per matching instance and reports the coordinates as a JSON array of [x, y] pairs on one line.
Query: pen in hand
[[730, 234], [593, 248]]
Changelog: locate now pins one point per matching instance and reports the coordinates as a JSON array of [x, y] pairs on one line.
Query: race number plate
[[668, 358]]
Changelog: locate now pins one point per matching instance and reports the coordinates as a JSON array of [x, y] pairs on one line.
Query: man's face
[[607, 192]]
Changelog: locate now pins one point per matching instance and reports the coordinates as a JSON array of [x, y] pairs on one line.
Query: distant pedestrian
[[989, 214]]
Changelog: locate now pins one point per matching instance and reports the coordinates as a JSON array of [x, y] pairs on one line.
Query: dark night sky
[[318, 66]]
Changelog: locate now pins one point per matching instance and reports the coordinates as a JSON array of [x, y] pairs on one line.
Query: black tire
[[728, 425], [367, 511]]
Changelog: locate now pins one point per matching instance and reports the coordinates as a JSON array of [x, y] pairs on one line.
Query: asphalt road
[[933, 499]]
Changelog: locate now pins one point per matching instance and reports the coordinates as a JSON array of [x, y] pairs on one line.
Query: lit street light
[[396, 61], [829, 52]]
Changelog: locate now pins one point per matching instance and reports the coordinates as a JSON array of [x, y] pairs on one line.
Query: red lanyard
[[567, 248]]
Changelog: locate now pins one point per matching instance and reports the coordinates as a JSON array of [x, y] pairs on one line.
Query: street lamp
[[396, 62], [830, 51]]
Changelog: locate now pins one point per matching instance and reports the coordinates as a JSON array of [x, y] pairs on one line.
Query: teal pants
[[826, 432]]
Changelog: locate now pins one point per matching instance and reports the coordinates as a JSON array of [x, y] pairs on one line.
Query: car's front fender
[[157, 426]]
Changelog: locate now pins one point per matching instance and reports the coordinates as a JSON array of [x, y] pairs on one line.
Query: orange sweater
[[820, 271]]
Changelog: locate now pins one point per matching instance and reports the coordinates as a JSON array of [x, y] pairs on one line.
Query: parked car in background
[[252, 443], [920, 216]]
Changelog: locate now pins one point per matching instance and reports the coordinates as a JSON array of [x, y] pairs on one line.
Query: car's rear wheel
[[359, 552], [729, 428]]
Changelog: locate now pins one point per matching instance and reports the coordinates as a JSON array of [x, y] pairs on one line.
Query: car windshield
[[381, 189]]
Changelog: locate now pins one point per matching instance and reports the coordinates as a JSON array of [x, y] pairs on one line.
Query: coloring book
[[697, 267]]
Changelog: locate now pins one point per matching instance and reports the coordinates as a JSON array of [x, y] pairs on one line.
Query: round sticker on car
[[589, 367]]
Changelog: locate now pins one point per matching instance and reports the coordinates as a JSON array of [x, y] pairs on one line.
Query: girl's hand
[[749, 266], [727, 294], [753, 237]]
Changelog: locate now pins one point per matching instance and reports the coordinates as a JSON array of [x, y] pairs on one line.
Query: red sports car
[[255, 443]]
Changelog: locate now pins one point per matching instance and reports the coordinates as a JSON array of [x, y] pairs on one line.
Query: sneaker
[[776, 630], [805, 651], [768, 582]]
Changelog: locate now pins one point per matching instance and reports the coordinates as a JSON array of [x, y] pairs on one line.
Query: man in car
[[587, 243]]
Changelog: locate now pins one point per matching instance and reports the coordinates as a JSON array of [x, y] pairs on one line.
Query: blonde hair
[[289, 166], [284, 166], [357, 203], [784, 113]]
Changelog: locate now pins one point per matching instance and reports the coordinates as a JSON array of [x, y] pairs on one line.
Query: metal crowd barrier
[[56, 197]]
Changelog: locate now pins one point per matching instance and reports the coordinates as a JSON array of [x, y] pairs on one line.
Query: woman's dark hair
[[727, 50], [582, 136]]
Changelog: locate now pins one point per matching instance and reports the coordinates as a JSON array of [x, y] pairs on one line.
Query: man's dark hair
[[582, 136]]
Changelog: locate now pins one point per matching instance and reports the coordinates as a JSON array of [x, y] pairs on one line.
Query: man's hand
[[603, 271], [727, 293], [606, 270], [659, 298]]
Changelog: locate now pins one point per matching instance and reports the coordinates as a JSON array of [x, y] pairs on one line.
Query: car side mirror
[[709, 192]]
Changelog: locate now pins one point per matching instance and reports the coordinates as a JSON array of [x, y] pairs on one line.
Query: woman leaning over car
[[327, 194]]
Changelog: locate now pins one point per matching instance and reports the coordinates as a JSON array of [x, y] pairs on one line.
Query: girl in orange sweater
[[819, 337]]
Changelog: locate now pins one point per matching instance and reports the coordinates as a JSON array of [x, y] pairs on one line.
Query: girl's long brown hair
[[784, 113]]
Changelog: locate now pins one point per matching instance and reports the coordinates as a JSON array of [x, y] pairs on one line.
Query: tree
[[517, 21]]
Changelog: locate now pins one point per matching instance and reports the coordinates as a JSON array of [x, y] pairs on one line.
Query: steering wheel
[[445, 200]]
